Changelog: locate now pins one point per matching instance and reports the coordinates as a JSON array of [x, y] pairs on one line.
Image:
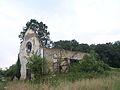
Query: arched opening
[[28, 47]]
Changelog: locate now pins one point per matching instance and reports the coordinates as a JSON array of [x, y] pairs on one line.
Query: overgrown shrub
[[13, 71], [89, 67], [10, 72], [38, 66], [92, 63]]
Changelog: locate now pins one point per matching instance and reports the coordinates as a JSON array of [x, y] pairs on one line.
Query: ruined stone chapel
[[32, 45]]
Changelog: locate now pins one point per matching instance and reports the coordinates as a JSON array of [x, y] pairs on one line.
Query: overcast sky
[[87, 21]]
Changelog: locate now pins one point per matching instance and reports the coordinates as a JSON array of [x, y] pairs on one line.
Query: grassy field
[[111, 82]]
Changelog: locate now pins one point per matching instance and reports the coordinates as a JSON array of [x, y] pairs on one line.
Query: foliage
[[92, 63], [109, 52], [38, 66], [111, 82], [18, 68], [71, 45], [2, 72], [89, 67], [67, 45], [40, 29], [11, 71], [2, 85]]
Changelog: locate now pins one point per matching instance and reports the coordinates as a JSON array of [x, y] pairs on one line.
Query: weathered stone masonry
[[32, 45]]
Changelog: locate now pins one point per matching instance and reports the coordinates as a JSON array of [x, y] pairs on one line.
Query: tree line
[[108, 52]]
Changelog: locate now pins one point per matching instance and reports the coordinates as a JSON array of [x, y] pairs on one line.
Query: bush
[[89, 67], [37, 66], [11, 71], [92, 63]]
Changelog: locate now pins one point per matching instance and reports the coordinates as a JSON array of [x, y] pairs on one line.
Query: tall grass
[[109, 81], [112, 82]]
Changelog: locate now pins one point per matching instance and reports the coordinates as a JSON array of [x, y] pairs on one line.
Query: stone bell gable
[[58, 58], [29, 46]]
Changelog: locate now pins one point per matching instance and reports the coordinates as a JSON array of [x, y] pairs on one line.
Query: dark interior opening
[[29, 47], [74, 61]]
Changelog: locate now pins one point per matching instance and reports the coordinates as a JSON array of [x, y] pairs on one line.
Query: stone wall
[[51, 55], [59, 55]]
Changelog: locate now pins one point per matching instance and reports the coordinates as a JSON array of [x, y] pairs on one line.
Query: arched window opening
[[28, 47]]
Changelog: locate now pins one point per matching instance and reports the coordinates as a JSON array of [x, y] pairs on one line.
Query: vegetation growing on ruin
[[111, 82], [109, 53], [38, 66], [98, 70]]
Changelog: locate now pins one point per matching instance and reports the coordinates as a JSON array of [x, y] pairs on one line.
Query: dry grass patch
[[85, 84]]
